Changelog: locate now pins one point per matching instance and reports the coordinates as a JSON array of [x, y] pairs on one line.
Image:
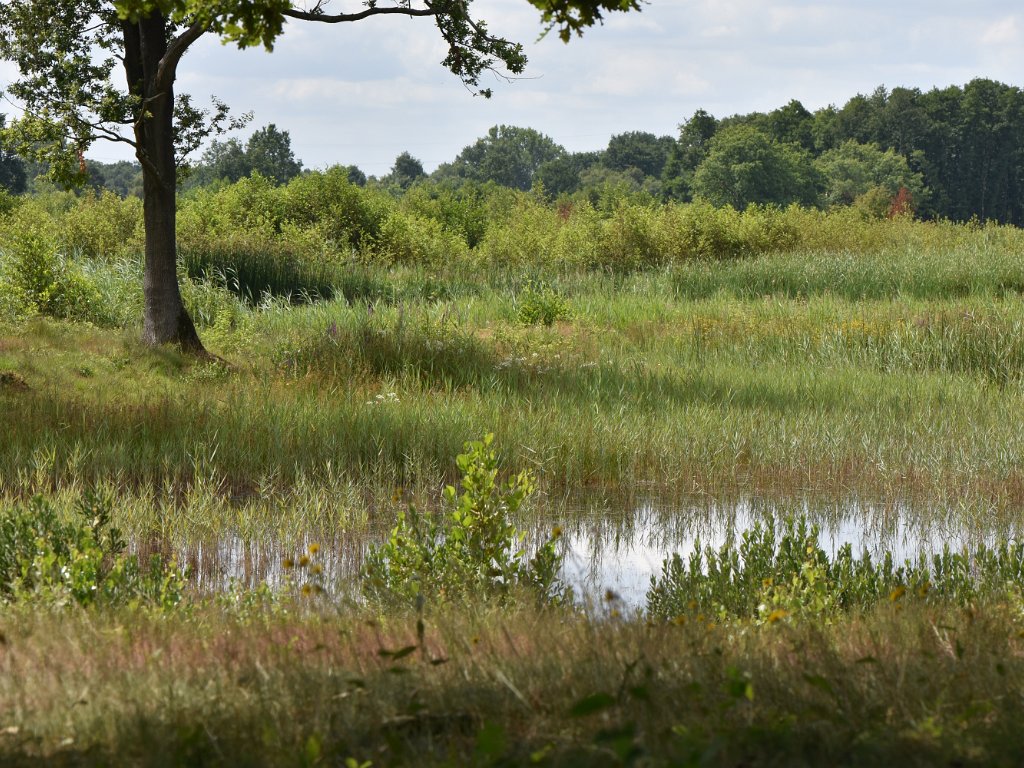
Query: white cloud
[[1003, 32]]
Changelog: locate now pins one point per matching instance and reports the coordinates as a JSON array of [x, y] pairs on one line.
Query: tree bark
[[165, 319]]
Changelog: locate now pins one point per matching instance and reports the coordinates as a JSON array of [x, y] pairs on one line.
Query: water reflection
[[619, 544], [622, 554]]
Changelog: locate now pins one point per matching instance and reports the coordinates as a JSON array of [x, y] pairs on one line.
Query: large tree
[[853, 169], [12, 170], [70, 54], [744, 167], [638, 149], [508, 155], [688, 153]]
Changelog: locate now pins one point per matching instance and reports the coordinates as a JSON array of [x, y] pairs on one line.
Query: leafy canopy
[[69, 54], [573, 16]]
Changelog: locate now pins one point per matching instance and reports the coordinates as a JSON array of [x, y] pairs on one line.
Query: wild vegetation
[[951, 153], [171, 528]]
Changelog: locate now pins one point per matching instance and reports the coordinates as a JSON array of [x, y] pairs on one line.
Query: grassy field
[[809, 357], [639, 384]]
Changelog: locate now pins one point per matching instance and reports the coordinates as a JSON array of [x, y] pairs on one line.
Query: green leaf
[[492, 740], [589, 705]]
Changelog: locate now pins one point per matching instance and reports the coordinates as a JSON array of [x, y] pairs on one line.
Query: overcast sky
[[362, 93]]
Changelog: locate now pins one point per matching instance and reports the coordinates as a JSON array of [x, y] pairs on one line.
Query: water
[[622, 555], [620, 544]]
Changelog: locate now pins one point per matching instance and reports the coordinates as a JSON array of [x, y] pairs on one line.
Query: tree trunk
[[165, 319]]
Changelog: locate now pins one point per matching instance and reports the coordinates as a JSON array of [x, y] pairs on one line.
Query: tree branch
[[165, 71], [324, 18], [97, 130]]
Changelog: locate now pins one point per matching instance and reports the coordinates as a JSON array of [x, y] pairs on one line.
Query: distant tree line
[[955, 153], [958, 152]]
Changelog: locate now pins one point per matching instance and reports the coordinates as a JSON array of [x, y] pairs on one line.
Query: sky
[[362, 93]]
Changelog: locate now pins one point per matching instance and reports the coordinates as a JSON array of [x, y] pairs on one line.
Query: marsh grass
[[693, 353], [894, 396]]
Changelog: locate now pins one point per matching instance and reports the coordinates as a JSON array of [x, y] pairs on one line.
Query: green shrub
[[775, 572], [460, 210], [632, 238], [346, 214], [471, 550], [408, 239], [701, 231], [539, 303], [46, 560], [526, 237], [103, 226], [40, 278], [8, 202], [578, 241]]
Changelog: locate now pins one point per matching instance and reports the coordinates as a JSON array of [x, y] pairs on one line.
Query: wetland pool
[[619, 545]]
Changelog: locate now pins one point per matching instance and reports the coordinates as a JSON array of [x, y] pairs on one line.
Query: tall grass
[[224, 686], [761, 351], [694, 352]]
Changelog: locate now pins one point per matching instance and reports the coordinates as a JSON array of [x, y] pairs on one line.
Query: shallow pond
[[618, 545]]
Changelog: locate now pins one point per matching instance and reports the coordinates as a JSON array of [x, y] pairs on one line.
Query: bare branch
[[325, 18]]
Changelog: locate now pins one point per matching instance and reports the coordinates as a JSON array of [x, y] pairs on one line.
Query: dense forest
[[954, 153]]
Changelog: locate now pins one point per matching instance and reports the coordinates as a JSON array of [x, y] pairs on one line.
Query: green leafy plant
[[778, 571], [44, 559], [45, 281], [540, 303], [471, 549]]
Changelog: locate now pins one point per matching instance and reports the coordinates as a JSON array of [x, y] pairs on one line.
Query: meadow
[[618, 350]]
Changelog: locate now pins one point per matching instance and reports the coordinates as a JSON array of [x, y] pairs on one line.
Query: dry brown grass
[[287, 688]]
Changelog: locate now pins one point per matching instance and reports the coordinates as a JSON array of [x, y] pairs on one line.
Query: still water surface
[[618, 545]]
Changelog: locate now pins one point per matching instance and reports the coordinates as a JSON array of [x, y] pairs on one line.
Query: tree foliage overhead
[[71, 54], [13, 177], [71, 96], [573, 16]]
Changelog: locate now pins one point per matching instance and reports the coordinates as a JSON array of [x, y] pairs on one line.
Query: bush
[[406, 238], [460, 210], [539, 303], [39, 278], [346, 214], [701, 231], [471, 550], [103, 226], [526, 237], [46, 560], [8, 202], [632, 238]]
